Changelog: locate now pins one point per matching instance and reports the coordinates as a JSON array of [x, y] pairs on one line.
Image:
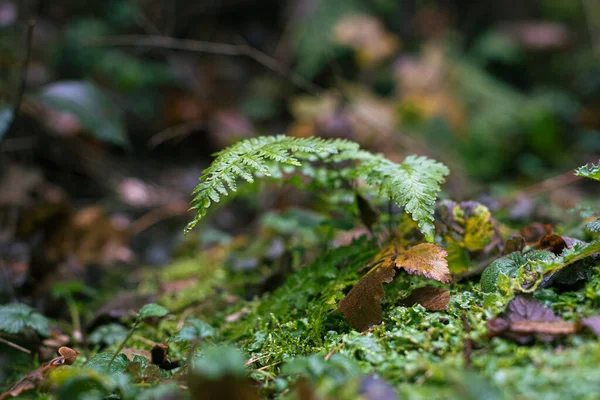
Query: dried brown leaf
[[592, 323], [553, 243], [36, 379], [425, 259], [535, 231], [160, 357], [362, 305], [526, 319], [432, 298], [515, 243]]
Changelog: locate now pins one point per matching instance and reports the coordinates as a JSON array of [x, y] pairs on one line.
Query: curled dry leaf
[[553, 243], [526, 319], [160, 357], [36, 379], [432, 298], [362, 305], [515, 243]]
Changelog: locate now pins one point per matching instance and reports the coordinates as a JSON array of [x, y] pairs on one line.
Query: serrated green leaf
[[108, 334], [594, 226], [152, 310], [194, 329], [413, 184], [509, 266], [14, 318], [100, 362], [592, 172]]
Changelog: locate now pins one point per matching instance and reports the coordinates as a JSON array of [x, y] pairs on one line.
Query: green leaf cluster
[[14, 318], [413, 184]]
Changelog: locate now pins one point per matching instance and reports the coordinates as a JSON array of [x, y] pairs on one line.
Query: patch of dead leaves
[[362, 305]]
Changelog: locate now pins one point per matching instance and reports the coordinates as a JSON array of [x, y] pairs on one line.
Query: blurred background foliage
[[500, 91], [124, 102]]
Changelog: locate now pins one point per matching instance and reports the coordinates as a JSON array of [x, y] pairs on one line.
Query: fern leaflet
[[414, 184], [592, 172]]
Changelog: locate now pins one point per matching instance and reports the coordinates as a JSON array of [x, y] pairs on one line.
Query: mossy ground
[[292, 330]]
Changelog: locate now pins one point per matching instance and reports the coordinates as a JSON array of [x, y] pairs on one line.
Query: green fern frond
[[414, 184], [592, 172], [594, 226]]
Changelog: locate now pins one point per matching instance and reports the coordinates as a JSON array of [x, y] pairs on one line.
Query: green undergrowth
[[296, 331]]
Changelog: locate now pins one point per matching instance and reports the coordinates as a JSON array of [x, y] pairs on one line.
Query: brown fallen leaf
[[527, 319], [160, 357], [36, 379], [515, 243], [592, 323], [553, 243], [432, 298], [362, 305], [425, 259], [533, 232]]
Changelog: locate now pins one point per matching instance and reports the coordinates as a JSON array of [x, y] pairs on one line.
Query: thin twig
[[333, 351], [142, 339], [254, 359], [175, 132], [157, 215], [268, 366], [548, 185], [15, 346], [24, 67], [199, 46], [588, 14]]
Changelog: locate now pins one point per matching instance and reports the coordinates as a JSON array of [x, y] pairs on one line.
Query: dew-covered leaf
[[509, 266], [592, 172], [594, 226]]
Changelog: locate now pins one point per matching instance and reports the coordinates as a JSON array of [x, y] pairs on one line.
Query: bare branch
[[198, 46]]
